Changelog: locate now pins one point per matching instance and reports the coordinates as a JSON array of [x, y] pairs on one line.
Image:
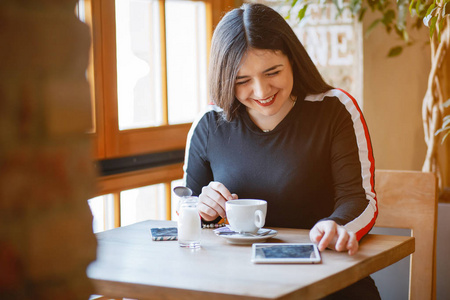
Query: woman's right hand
[[212, 201]]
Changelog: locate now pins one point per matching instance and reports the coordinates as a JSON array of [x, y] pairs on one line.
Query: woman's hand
[[212, 201], [336, 237]]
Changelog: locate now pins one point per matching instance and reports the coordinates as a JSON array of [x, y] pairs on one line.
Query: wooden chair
[[408, 199]]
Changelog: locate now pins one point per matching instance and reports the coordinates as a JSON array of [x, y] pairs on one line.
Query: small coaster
[[164, 233]]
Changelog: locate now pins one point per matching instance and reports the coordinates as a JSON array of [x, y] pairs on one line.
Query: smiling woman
[[314, 166]]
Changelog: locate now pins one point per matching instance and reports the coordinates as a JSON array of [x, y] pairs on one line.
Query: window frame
[[111, 142]]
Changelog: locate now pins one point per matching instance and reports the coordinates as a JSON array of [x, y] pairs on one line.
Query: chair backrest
[[408, 199]]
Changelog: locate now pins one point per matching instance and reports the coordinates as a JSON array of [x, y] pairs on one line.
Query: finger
[[315, 235], [323, 233], [352, 244], [219, 187], [342, 239], [213, 200], [235, 197], [206, 212], [329, 236]]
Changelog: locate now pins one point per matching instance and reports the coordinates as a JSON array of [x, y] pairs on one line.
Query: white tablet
[[285, 253]]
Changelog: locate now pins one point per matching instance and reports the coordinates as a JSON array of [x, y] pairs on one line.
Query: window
[[148, 77], [141, 30], [145, 97]]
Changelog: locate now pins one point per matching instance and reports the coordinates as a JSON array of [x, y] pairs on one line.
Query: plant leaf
[[411, 6], [446, 121], [388, 17], [445, 10], [301, 12], [447, 126], [372, 26], [441, 25], [401, 14], [361, 14], [442, 129], [372, 3], [445, 136], [428, 16], [405, 36], [399, 32], [395, 51], [447, 103], [418, 23], [432, 26], [355, 6], [338, 6], [432, 6]]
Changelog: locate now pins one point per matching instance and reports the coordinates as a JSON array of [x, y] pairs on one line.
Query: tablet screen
[[285, 253]]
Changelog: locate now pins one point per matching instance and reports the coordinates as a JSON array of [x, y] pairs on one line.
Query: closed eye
[[273, 73], [242, 82], [270, 72]]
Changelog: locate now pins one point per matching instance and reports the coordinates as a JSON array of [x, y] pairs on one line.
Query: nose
[[260, 89]]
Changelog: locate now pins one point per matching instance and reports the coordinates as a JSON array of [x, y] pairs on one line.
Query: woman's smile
[[267, 101]]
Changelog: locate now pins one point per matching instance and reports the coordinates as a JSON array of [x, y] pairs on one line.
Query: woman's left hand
[[330, 234]]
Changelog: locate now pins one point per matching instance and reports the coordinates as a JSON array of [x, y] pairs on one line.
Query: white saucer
[[240, 239]]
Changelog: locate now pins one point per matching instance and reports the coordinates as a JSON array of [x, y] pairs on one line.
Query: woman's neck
[[268, 123]]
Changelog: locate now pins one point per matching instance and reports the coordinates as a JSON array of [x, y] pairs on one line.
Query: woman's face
[[264, 83]]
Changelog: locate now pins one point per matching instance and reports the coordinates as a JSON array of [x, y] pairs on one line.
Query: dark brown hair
[[260, 27]]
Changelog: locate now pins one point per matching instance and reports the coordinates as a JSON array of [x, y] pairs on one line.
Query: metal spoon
[[182, 191], [260, 232]]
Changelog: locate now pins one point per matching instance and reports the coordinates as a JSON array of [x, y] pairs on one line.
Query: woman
[[278, 132]]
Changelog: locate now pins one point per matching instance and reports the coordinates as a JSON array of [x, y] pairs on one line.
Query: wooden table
[[130, 264]]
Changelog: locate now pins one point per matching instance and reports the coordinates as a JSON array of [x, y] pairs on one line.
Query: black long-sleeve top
[[316, 164]]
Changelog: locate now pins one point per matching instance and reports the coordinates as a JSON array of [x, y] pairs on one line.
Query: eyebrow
[[265, 71]]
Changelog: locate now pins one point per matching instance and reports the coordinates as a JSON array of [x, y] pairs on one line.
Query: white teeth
[[266, 101]]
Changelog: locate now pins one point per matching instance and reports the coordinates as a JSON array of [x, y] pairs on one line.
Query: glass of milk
[[189, 225]]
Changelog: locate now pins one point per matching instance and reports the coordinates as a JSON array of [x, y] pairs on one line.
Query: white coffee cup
[[246, 215]]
